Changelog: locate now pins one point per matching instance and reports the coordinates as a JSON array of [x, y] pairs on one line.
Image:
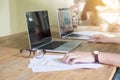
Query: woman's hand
[[74, 57], [100, 38]]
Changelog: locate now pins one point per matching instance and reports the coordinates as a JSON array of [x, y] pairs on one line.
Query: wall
[[36, 5], [12, 17], [4, 18]]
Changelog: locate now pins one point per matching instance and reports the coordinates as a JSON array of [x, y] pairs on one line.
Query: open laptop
[[40, 36], [65, 27]]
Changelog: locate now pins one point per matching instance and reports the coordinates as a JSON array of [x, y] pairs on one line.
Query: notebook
[[39, 34], [64, 16]]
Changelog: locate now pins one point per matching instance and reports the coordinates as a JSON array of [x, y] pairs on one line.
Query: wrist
[[114, 40], [96, 58]]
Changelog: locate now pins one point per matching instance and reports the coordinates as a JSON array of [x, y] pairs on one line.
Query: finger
[[91, 40], [65, 56], [95, 37], [75, 60], [69, 58]]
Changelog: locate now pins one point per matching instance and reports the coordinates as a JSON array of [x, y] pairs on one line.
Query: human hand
[[100, 38], [74, 57]]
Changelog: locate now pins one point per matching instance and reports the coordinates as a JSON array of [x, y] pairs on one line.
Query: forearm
[[109, 58], [115, 40]]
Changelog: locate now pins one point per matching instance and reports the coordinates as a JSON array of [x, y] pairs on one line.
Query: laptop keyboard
[[53, 45], [75, 35]]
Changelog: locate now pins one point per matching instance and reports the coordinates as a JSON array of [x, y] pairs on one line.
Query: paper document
[[88, 33], [53, 63], [91, 33]]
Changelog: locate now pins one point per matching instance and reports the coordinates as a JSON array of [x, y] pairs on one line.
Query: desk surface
[[14, 67]]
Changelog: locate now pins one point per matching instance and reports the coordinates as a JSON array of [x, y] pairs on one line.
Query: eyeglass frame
[[30, 50]]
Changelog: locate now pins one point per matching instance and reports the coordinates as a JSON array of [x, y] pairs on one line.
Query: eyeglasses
[[37, 53]]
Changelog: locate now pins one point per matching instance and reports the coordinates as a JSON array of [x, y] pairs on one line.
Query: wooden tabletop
[[14, 67]]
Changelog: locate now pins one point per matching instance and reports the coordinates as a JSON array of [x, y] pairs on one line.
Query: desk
[[14, 67]]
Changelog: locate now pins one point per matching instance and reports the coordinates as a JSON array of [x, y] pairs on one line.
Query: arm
[[116, 40], [104, 39], [109, 58], [106, 58]]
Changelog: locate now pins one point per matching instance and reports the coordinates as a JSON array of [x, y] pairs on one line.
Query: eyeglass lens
[[39, 53], [25, 53]]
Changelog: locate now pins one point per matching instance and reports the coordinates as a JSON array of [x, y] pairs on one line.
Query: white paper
[[53, 63], [91, 33], [88, 33]]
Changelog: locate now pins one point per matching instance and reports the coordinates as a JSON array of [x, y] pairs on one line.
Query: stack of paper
[[53, 63]]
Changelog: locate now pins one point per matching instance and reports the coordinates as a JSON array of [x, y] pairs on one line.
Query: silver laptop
[[65, 27], [40, 36]]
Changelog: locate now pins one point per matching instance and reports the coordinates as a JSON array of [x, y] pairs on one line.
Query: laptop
[[39, 34], [64, 16]]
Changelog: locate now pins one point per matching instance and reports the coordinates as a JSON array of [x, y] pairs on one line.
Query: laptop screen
[[38, 28], [64, 21]]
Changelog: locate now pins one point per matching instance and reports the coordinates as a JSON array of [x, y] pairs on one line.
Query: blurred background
[[104, 13]]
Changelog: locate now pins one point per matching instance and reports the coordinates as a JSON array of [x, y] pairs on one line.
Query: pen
[[46, 63]]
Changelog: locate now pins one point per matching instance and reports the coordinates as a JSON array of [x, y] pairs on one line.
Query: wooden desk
[[14, 67]]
